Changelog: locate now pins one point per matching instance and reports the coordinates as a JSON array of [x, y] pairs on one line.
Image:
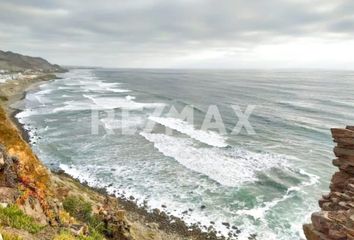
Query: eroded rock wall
[[336, 218]]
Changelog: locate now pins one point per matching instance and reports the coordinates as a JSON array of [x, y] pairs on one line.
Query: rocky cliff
[[336, 218], [16, 62]]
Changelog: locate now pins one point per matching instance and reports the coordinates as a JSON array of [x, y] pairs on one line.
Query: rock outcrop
[[336, 218], [8, 169]]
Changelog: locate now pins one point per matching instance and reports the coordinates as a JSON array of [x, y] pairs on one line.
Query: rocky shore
[[336, 218], [59, 206]]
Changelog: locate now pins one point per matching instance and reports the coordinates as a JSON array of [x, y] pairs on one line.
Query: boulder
[[337, 234], [339, 181], [8, 195], [8, 170], [79, 229], [33, 208], [312, 234], [321, 222]]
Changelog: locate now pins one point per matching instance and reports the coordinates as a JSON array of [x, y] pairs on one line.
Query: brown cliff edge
[[336, 218]]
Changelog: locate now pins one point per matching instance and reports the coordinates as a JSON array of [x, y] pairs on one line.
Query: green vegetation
[[3, 98], [78, 208], [10, 236], [64, 236], [81, 210], [13, 217]]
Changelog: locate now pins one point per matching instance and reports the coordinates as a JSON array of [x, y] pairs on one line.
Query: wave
[[259, 213], [100, 86], [131, 123], [332, 109], [86, 81], [103, 87], [123, 103], [228, 167], [44, 91], [105, 103], [130, 97], [207, 137], [89, 175]]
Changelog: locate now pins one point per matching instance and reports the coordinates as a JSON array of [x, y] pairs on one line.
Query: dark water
[[268, 182]]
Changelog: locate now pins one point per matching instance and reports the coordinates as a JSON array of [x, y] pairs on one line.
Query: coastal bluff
[[335, 220]]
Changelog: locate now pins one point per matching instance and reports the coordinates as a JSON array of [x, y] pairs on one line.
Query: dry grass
[[10, 236]]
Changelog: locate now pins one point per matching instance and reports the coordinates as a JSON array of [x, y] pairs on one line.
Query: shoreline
[[21, 127], [16, 95], [166, 223]]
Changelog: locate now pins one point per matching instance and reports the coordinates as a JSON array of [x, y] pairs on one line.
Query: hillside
[[10, 61]]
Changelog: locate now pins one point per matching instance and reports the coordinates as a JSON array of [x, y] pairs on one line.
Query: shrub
[[65, 218], [78, 208], [81, 210], [13, 217]]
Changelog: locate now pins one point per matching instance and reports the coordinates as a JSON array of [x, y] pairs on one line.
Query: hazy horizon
[[184, 34], [285, 69]]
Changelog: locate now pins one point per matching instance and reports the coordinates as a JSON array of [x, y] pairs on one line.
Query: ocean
[[267, 183]]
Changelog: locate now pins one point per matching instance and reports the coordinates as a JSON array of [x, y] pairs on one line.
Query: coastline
[[154, 219], [24, 133], [169, 227], [17, 94]]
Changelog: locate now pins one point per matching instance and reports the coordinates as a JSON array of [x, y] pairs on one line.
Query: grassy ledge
[[13, 217]]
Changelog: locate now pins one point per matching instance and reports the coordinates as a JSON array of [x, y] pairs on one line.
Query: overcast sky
[[182, 33]]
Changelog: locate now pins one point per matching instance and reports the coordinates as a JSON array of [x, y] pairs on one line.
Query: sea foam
[[207, 137], [227, 168], [104, 103]]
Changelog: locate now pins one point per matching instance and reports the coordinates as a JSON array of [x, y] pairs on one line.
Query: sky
[[262, 34]]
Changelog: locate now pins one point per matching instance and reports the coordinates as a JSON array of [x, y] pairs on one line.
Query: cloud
[[159, 33]]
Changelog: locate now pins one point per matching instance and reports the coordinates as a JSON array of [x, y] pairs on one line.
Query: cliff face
[[336, 218], [16, 62], [31, 173]]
